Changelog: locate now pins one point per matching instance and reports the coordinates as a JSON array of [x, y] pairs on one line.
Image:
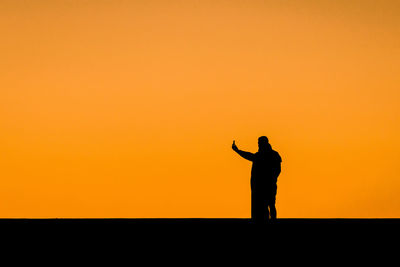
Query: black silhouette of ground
[[203, 240], [203, 228]]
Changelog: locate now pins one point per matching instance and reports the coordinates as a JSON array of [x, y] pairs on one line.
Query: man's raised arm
[[243, 154]]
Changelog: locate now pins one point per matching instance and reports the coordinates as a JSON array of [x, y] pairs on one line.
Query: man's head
[[263, 143]]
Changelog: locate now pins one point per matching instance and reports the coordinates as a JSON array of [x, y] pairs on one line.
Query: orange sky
[[129, 108]]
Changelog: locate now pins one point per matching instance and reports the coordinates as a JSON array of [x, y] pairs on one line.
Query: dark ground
[[204, 228], [335, 239]]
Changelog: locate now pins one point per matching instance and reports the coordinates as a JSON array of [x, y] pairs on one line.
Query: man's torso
[[265, 170]]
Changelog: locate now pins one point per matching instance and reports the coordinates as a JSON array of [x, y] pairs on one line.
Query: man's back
[[266, 169]]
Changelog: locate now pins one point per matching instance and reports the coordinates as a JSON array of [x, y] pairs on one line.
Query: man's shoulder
[[276, 154]]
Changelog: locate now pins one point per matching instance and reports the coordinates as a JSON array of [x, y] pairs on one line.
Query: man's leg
[[272, 211], [265, 211], [253, 206], [271, 203], [259, 207]]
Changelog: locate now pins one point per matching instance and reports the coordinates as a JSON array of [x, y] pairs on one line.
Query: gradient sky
[[117, 108]]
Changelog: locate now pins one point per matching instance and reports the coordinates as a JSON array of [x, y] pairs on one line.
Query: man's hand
[[234, 147], [243, 154]]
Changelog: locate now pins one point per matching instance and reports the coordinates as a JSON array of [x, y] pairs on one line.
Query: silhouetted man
[[264, 174]]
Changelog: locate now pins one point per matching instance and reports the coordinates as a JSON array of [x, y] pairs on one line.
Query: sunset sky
[[128, 109]]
